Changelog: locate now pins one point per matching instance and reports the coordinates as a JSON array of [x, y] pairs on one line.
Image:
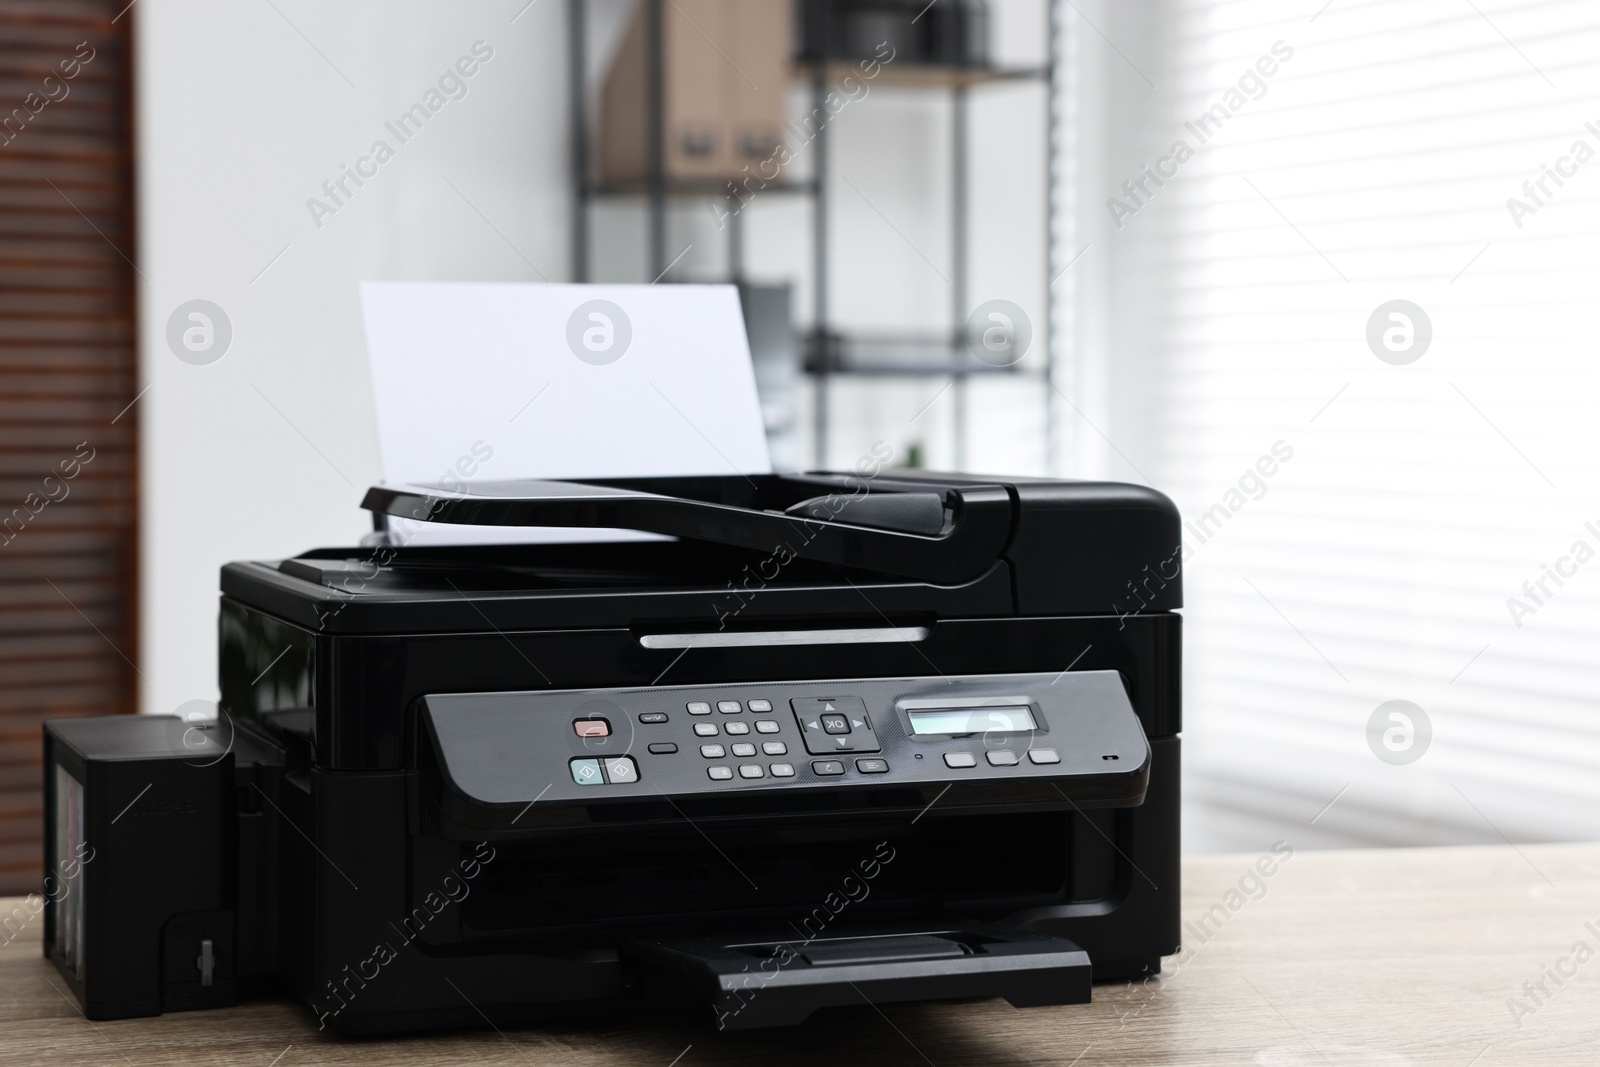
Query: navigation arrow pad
[[834, 724]]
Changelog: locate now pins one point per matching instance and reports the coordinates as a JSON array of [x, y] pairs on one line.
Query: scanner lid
[[782, 546], [937, 528], [938, 532]]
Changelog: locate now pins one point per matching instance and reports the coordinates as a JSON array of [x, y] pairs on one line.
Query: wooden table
[[1340, 958]]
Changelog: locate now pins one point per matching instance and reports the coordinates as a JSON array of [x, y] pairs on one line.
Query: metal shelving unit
[[828, 352]]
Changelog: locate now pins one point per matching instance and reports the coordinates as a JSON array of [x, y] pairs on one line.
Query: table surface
[[1407, 956]]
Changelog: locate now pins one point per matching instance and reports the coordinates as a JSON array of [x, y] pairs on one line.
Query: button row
[[619, 770], [1001, 758], [770, 748], [750, 770], [728, 707], [709, 729], [832, 767]]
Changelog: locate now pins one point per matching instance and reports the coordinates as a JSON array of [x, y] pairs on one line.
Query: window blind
[[68, 428], [1434, 534]]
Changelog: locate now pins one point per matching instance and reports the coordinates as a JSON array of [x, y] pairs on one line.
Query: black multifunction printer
[[823, 740]]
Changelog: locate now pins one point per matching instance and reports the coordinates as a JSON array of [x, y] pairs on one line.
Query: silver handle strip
[[962, 703], [875, 635]]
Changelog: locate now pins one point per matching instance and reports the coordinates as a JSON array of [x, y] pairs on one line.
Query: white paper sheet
[[490, 381]]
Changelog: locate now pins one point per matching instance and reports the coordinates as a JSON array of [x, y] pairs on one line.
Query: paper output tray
[[754, 981]]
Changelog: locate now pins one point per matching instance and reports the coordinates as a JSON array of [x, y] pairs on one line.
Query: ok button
[[835, 724]]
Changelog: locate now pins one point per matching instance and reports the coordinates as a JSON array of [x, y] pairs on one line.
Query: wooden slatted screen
[[68, 471]]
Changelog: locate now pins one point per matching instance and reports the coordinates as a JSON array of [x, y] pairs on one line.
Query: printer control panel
[[583, 746]]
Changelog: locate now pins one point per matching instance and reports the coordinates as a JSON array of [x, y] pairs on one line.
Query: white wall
[[1111, 369], [245, 109]]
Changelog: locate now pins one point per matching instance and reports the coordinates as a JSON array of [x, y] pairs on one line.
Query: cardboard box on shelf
[[724, 75]]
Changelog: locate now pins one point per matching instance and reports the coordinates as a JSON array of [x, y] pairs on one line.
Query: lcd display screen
[[1009, 719]]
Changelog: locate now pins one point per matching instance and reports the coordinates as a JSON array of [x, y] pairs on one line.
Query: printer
[[818, 740]]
